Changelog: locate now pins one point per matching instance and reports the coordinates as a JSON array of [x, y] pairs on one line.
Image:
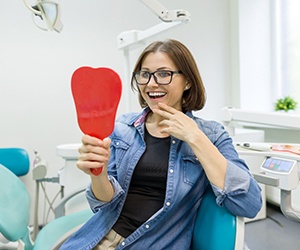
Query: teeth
[[156, 94]]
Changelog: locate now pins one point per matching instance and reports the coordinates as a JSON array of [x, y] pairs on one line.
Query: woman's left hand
[[176, 123]]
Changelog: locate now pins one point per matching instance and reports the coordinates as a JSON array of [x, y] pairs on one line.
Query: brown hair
[[193, 98]]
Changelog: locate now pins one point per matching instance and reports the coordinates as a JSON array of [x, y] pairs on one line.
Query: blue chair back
[[215, 227], [15, 159]]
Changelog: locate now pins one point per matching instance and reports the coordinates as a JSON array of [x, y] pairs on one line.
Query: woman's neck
[[153, 126]]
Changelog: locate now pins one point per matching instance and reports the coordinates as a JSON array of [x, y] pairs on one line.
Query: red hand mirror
[[96, 93]]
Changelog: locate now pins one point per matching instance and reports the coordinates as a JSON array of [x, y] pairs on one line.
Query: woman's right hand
[[93, 153]]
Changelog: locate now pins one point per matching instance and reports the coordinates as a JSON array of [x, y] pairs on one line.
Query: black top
[[147, 189]]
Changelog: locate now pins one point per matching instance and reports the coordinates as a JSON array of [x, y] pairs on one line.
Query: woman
[[158, 163]]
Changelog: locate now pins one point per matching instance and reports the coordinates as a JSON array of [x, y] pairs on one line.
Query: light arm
[[164, 14]]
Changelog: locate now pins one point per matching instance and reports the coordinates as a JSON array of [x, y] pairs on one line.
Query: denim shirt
[[172, 226]]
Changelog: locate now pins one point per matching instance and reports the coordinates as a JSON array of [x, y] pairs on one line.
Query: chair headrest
[[15, 159]]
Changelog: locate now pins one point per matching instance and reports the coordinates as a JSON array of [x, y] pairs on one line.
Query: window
[[287, 42]]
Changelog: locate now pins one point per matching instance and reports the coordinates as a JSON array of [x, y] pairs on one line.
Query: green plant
[[287, 103]]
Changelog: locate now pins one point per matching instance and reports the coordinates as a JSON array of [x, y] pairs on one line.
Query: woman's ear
[[187, 86]]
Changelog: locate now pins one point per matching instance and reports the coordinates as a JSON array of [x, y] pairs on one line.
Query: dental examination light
[[46, 15], [134, 38]]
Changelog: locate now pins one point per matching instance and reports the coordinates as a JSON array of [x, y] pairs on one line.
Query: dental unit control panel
[[278, 169], [285, 170]]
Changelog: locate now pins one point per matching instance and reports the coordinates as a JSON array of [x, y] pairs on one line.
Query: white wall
[[36, 106]]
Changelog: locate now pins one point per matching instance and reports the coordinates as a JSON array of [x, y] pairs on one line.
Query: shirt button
[[147, 226], [123, 243], [117, 143], [171, 171], [168, 203], [173, 141]]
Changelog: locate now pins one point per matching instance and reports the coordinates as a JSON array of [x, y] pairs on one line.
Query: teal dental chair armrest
[[58, 230], [215, 227]]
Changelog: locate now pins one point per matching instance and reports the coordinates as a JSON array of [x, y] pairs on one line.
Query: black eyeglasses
[[162, 77]]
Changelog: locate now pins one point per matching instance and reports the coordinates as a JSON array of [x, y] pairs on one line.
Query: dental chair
[[15, 209], [15, 212], [216, 228], [17, 161]]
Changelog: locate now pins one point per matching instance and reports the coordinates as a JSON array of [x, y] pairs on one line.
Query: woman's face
[[154, 93]]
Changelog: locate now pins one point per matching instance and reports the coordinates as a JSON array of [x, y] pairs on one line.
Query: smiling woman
[[163, 87], [158, 163], [170, 57]]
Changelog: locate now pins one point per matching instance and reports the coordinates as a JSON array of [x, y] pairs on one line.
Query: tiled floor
[[276, 232]]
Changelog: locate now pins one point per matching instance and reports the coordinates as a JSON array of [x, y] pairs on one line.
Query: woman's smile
[[156, 94]]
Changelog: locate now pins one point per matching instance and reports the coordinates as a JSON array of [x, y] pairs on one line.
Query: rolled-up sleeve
[[241, 194], [96, 204]]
